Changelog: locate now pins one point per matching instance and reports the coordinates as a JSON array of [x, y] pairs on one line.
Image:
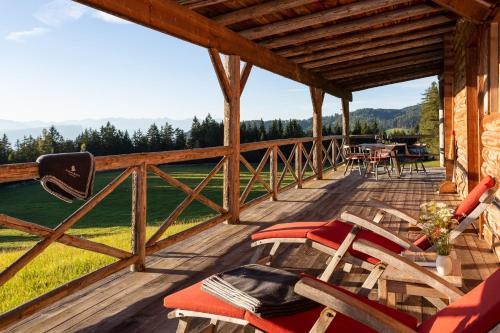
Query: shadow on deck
[[132, 302]]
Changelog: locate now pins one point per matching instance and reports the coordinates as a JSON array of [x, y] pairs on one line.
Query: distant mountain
[[407, 117], [71, 128]]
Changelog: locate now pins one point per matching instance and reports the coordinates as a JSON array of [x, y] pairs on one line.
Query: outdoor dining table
[[391, 148]]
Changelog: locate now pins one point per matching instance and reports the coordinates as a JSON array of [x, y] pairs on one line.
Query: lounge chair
[[340, 310], [335, 237]]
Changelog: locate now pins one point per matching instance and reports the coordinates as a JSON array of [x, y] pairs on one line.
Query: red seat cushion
[[195, 299], [333, 234], [476, 312], [472, 199], [287, 230], [422, 243], [303, 321]]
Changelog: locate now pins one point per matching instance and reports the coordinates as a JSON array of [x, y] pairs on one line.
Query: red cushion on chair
[[287, 230], [334, 233], [476, 312], [195, 299], [303, 321], [472, 199], [422, 243]]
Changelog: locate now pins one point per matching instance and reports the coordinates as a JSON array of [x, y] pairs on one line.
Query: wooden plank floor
[[132, 302]]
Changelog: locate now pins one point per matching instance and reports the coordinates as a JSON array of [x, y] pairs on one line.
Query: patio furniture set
[[396, 264], [369, 157]]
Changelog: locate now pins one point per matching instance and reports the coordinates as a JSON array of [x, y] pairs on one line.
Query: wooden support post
[[345, 121], [232, 139], [317, 97], [230, 81], [447, 79], [273, 163], [473, 134], [494, 68], [298, 164], [139, 191]]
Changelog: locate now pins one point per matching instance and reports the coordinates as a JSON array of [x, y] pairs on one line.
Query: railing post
[[334, 153], [139, 190], [273, 161], [298, 164]]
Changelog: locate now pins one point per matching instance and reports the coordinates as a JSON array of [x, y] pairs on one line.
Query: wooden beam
[[173, 19], [375, 51], [473, 133], [345, 121], [448, 73], [386, 56], [397, 79], [371, 76], [384, 65], [139, 205], [317, 98], [245, 73], [221, 73], [371, 22], [494, 68], [366, 36], [258, 10], [320, 17], [474, 10], [199, 4], [389, 41], [231, 186]]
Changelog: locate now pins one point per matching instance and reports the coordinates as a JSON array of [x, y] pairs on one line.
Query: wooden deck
[[132, 302]]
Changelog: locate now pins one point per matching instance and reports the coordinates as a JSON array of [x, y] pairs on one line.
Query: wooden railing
[[296, 156]]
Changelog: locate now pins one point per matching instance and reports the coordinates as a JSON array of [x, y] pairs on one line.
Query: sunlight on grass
[[59, 263]]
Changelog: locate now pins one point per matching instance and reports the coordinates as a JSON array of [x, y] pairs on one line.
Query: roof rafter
[[365, 36], [372, 44], [351, 26], [173, 19], [324, 16], [265, 8], [374, 52], [397, 79], [385, 65], [385, 56], [473, 10]]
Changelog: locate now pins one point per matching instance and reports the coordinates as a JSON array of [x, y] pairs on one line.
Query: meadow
[[108, 223]]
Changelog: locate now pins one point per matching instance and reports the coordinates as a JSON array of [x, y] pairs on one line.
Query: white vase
[[444, 265]]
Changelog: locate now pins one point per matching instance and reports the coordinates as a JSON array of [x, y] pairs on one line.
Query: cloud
[[57, 12], [108, 17], [18, 36]]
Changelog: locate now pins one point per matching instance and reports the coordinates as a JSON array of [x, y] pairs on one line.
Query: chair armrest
[[379, 230], [391, 210], [349, 306], [406, 265]]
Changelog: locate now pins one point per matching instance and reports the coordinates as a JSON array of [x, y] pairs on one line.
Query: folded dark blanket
[[265, 291], [67, 176]]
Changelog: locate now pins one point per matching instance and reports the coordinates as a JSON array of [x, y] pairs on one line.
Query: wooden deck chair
[[336, 237], [468, 211], [340, 310]]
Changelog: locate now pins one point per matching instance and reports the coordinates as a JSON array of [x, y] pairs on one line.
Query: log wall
[[488, 151]]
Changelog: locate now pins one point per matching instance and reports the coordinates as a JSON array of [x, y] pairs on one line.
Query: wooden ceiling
[[338, 46], [355, 44]]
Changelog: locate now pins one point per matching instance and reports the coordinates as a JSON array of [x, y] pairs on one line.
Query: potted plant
[[436, 221]]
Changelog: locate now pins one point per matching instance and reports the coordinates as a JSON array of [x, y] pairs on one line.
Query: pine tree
[[262, 131], [429, 119], [5, 149]]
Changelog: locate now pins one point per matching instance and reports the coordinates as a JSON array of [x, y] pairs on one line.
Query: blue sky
[[60, 61]]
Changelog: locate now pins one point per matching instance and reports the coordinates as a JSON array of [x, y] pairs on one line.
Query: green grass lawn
[[108, 223]]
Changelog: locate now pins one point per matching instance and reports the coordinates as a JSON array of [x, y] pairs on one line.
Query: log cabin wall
[[483, 40]]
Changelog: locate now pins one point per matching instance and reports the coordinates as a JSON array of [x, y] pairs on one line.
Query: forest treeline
[[108, 140]]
